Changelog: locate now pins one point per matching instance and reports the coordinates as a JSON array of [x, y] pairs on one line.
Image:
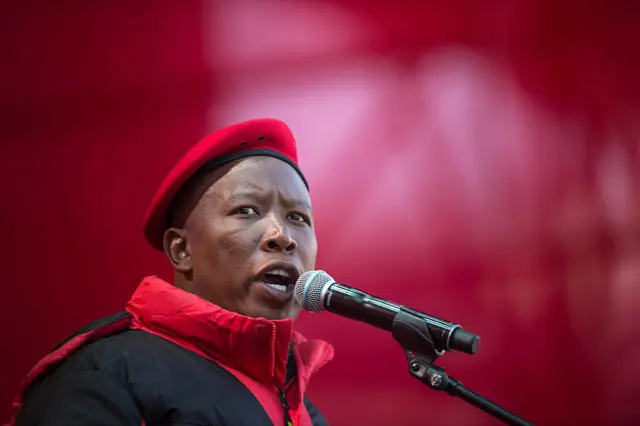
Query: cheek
[[308, 249], [232, 248]]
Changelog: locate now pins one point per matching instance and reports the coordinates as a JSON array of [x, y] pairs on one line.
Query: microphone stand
[[413, 335]]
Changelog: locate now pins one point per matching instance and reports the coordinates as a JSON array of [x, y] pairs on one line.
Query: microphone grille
[[309, 290]]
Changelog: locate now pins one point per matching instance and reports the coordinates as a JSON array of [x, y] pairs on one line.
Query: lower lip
[[282, 297]]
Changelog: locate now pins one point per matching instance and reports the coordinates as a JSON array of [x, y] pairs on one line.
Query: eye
[[299, 217], [247, 211]]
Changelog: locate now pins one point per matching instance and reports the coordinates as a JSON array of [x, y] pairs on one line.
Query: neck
[[184, 282]]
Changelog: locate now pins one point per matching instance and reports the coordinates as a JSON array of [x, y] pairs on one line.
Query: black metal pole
[[455, 388]]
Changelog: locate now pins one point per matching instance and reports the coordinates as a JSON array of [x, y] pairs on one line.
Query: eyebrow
[[291, 202]]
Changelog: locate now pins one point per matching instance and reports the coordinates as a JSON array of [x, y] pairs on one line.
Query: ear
[[176, 248]]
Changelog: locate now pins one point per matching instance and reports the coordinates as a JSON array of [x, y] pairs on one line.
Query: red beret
[[263, 137]]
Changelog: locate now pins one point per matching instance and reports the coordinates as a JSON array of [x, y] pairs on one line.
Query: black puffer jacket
[[175, 359]]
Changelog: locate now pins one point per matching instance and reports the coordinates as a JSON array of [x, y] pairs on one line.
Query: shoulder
[[111, 353], [107, 345], [85, 382]]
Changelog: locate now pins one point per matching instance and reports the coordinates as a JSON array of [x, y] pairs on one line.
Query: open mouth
[[281, 277]]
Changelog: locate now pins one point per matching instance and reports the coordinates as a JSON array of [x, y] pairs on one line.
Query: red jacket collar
[[256, 347]]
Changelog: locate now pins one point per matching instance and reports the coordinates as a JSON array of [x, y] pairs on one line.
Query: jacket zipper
[[285, 406]]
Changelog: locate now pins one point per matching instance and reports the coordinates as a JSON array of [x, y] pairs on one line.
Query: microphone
[[316, 291]]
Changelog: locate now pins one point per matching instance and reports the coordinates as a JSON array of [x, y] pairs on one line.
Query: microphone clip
[[413, 335]]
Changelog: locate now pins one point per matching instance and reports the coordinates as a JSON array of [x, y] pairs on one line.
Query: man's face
[[249, 237]]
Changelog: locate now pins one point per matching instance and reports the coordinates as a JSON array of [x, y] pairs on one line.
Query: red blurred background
[[476, 160]]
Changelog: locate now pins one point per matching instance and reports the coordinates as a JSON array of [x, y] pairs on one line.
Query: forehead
[[260, 174]]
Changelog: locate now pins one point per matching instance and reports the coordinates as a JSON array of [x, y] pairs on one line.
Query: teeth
[[278, 287], [280, 272]]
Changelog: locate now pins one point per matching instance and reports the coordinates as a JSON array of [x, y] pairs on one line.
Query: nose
[[276, 239]]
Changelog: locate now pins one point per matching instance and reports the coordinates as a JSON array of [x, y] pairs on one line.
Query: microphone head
[[310, 289]]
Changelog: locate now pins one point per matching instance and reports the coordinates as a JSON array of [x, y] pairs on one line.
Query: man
[[215, 347]]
